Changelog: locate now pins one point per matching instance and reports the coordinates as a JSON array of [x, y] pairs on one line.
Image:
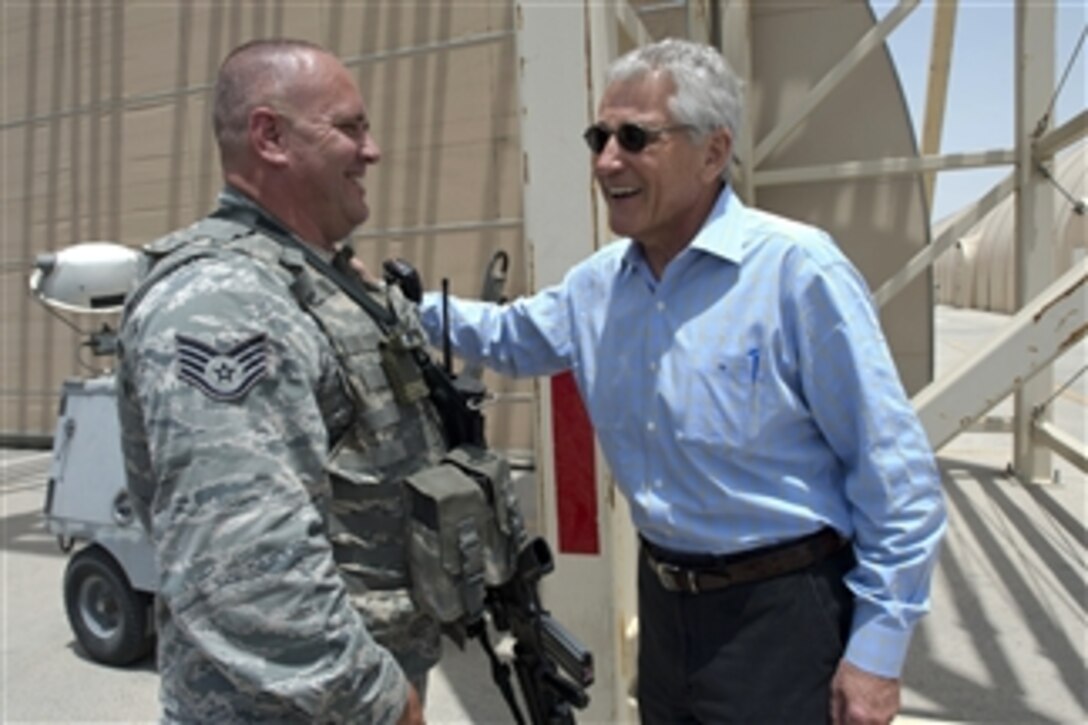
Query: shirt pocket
[[723, 400]]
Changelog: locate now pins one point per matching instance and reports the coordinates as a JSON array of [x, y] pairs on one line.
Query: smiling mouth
[[621, 192]]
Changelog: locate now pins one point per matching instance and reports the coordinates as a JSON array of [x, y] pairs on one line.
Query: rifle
[[542, 647], [553, 668]]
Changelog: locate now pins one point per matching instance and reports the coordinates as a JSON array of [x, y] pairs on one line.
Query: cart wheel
[[109, 618]]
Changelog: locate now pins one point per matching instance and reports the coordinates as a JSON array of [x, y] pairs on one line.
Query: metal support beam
[[622, 12], [921, 261], [1065, 445], [1057, 139], [736, 47], [699, 20], [1034, 269], [940, 56], [884, 167], [1051, 324], [563, 51], [868, 42]]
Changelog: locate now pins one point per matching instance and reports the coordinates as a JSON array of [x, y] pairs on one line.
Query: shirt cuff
[[430, 316], [877, 647]]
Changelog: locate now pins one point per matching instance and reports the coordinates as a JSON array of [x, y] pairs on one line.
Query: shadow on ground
[[1009, 605]]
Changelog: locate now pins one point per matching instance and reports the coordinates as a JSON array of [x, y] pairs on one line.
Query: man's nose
[[370, 150], [610, 157]]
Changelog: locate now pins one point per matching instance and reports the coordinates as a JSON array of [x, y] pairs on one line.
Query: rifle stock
[[553, 668]]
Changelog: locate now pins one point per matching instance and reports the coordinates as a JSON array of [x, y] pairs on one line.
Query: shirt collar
[[718, 235], [230, 196]]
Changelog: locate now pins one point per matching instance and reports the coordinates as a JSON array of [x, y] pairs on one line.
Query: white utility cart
[[110, 579]]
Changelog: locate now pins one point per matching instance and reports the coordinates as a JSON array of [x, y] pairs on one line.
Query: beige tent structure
[[979, 271]]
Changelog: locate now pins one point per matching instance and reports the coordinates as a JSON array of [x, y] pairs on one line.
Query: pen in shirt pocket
[[753, 357]]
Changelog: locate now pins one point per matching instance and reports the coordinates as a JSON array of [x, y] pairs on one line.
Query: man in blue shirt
[[736, 375]]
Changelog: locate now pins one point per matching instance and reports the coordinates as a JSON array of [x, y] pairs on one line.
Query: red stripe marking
[[575, 470]]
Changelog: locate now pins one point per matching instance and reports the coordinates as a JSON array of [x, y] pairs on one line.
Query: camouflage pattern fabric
[[394, 434], [275, 575]]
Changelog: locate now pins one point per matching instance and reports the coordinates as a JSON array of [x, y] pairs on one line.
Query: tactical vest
[[395, 431], [406, 518]]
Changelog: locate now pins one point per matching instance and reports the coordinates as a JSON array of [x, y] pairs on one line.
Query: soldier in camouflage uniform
[[268, 422]]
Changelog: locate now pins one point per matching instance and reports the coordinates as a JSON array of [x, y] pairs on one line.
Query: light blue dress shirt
[[746, 398]]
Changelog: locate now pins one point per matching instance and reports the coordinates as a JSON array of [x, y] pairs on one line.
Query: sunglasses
[[630, 136]]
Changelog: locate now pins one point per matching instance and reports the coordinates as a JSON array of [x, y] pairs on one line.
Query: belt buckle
[[676, 579], [693, 581]]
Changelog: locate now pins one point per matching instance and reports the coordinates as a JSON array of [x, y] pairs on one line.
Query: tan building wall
[[105, 135]]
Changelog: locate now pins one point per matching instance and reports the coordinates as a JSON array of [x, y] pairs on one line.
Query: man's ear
[[267, 135], [717, 155]]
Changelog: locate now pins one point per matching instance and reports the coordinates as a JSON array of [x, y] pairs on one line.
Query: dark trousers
[[762, 652]]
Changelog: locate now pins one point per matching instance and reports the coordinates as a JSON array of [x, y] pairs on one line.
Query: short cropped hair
[[252, 75]]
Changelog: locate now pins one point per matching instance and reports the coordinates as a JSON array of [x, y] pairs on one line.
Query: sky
[[979, 114]]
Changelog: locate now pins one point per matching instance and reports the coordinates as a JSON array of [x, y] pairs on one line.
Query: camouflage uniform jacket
[[265, 449]]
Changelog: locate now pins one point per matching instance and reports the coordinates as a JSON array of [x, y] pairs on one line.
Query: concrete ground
[[1006, 641]]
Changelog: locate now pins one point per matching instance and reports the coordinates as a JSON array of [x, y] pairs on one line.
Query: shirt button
[[651, 427], [660, 306], [653, 367]]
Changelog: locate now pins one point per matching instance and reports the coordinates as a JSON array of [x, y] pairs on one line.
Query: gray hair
[[709, 95], [254, 74]]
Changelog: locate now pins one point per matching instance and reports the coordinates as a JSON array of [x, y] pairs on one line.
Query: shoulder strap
[[462, 423], [346, 280], [162, 265]]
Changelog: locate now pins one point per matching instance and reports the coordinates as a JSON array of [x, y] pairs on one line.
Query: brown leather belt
[[746, 566]]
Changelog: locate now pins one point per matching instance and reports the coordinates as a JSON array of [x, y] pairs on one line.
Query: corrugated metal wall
[[105, 136]]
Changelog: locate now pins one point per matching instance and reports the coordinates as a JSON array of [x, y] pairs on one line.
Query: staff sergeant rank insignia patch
[[225, 376]]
